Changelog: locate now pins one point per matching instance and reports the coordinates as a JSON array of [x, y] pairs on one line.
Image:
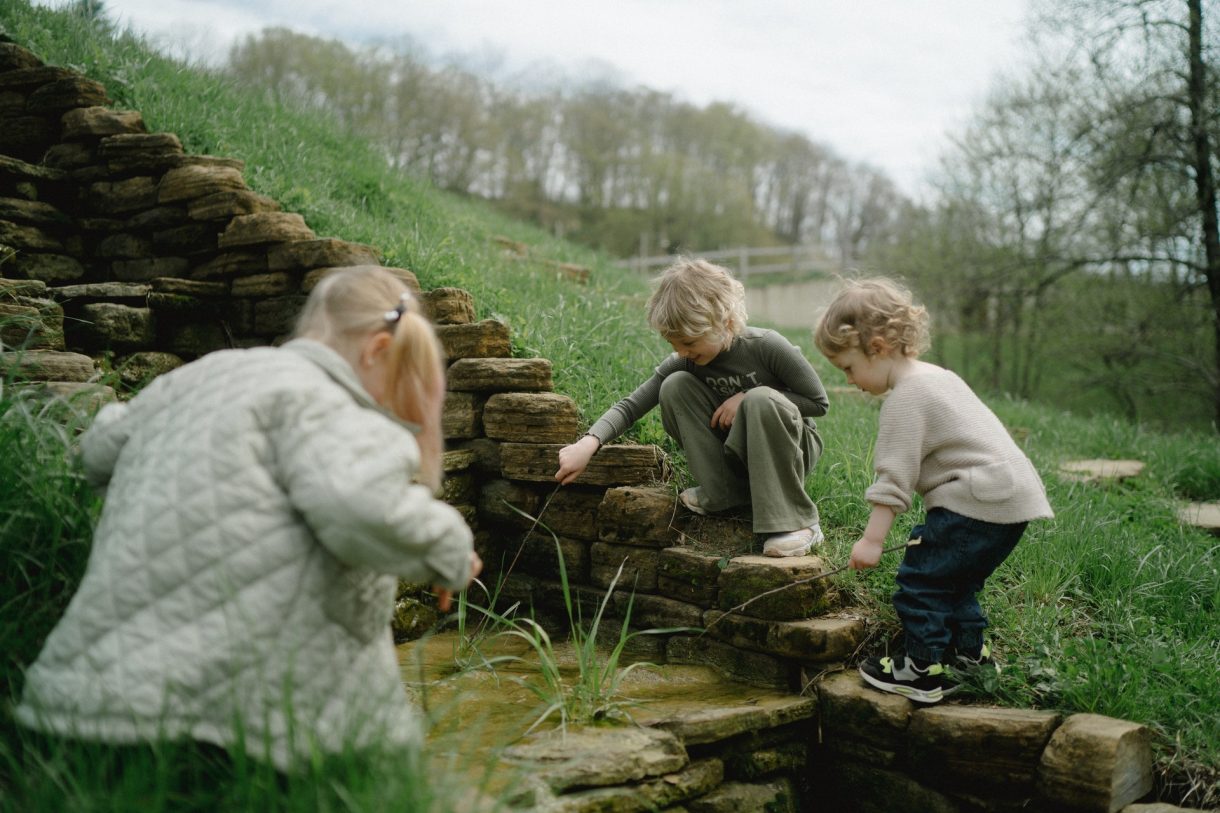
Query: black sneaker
[[967, 664], [902, 676]]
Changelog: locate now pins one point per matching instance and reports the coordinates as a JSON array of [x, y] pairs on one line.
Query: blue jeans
[[940, 577]]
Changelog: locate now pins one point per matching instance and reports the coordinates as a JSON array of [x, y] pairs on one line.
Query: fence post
[[743, 263]]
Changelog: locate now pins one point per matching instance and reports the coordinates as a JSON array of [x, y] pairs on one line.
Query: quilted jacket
[[259, 511]]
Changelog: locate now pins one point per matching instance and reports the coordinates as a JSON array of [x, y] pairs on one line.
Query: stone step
[[479, 340], [1100, 470], [613, 465], [531, 417], [47, 365], [1205, 515], [499, 375]]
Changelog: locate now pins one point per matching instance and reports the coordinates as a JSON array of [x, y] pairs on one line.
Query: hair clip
[[392, 316]]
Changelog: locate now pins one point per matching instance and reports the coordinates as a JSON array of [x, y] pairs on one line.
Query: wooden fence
[[750, 261]]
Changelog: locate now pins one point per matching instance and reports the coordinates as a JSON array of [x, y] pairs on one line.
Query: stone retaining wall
[[120, 251]]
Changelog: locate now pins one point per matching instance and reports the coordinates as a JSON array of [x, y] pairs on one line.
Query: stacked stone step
[[154, 255], [878, 748], [721, 760]]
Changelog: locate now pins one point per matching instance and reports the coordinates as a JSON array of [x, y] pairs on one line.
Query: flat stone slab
[[486, 339], [614, 465], [598, 757], [660, 793], [706, 724], [639, 515], [811, 639], [531, 417], [500, 375], [448, 306], [980, 748], [1097, 470], [1093, 762], [779, 589], [1205, 515], [48, 365]]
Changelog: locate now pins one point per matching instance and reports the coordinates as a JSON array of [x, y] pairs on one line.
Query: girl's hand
[[444, 596], [574, 458], [723, 417], [865, 553]]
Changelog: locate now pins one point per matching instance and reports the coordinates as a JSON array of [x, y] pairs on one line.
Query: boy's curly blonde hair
[[696, 299], [873, 308]]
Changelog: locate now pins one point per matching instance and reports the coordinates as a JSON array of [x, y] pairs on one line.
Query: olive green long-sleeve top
[[757, 358]]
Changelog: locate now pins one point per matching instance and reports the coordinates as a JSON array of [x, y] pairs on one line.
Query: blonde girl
[[261, 506]]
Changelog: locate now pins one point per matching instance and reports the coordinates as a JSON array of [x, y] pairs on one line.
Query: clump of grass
[[1197, 476], [47, 514], [594, 693]]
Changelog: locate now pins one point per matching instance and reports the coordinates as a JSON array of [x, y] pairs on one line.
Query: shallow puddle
[[476, 713]]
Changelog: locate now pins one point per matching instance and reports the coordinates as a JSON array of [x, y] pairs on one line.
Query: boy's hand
[[723, 417], [865, 553], [574, 458]]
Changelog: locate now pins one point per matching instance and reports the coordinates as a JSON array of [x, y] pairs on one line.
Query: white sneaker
[[794, 543], [690, 499]]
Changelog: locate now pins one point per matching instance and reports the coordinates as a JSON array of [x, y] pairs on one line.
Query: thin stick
[[764, 594]]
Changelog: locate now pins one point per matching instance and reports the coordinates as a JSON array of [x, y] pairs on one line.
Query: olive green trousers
[[762, 460]]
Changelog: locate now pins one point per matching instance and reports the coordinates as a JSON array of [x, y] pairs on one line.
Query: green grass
[[1112, 607]]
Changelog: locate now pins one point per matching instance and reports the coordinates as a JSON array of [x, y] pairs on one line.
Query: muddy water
[[477, 713]]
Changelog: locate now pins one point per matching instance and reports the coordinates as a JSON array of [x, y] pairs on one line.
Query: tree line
[[1072, 248], [612, 167]]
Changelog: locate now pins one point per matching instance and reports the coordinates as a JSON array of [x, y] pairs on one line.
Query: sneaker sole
[[780, 552], [909, 692]]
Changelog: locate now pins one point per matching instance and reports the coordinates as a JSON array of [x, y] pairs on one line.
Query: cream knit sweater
[[936, 438]]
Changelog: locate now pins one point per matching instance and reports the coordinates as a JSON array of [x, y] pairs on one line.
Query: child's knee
[[678, 385], [759, 396]]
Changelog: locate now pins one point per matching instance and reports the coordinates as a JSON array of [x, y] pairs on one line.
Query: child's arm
[[617, 419], [802, 385], [574, 458], [867, 550]]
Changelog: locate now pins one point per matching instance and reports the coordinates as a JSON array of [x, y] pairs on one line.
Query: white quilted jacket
[[259, 509]]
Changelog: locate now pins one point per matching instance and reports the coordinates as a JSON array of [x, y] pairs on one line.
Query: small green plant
[[469, 644], [594, 694]]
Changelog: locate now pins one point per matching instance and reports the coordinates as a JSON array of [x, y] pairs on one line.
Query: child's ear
[[877, 346], [374, 346]]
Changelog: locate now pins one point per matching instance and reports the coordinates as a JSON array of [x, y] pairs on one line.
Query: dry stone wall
[[118, 249]]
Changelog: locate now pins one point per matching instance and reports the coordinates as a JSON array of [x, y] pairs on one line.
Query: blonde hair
[[873, 308], [695, 299], [350, 304]]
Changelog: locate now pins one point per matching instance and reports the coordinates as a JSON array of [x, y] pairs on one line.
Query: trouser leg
[[779, 450], [939, 579], [687, 405]]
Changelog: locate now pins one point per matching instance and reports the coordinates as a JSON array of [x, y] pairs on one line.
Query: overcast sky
[[880, 81]]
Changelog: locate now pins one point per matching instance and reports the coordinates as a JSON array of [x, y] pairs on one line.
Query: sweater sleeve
[[802, 385], [898, 453], [348, 470]]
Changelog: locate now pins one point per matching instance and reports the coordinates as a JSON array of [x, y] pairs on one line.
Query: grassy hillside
[[1113, 607]]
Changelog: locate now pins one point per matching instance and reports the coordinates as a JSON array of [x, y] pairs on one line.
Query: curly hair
[[873, 308], [696, 299]]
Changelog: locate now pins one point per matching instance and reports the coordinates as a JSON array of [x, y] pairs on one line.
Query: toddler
[[739, 401], [937, 439]]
